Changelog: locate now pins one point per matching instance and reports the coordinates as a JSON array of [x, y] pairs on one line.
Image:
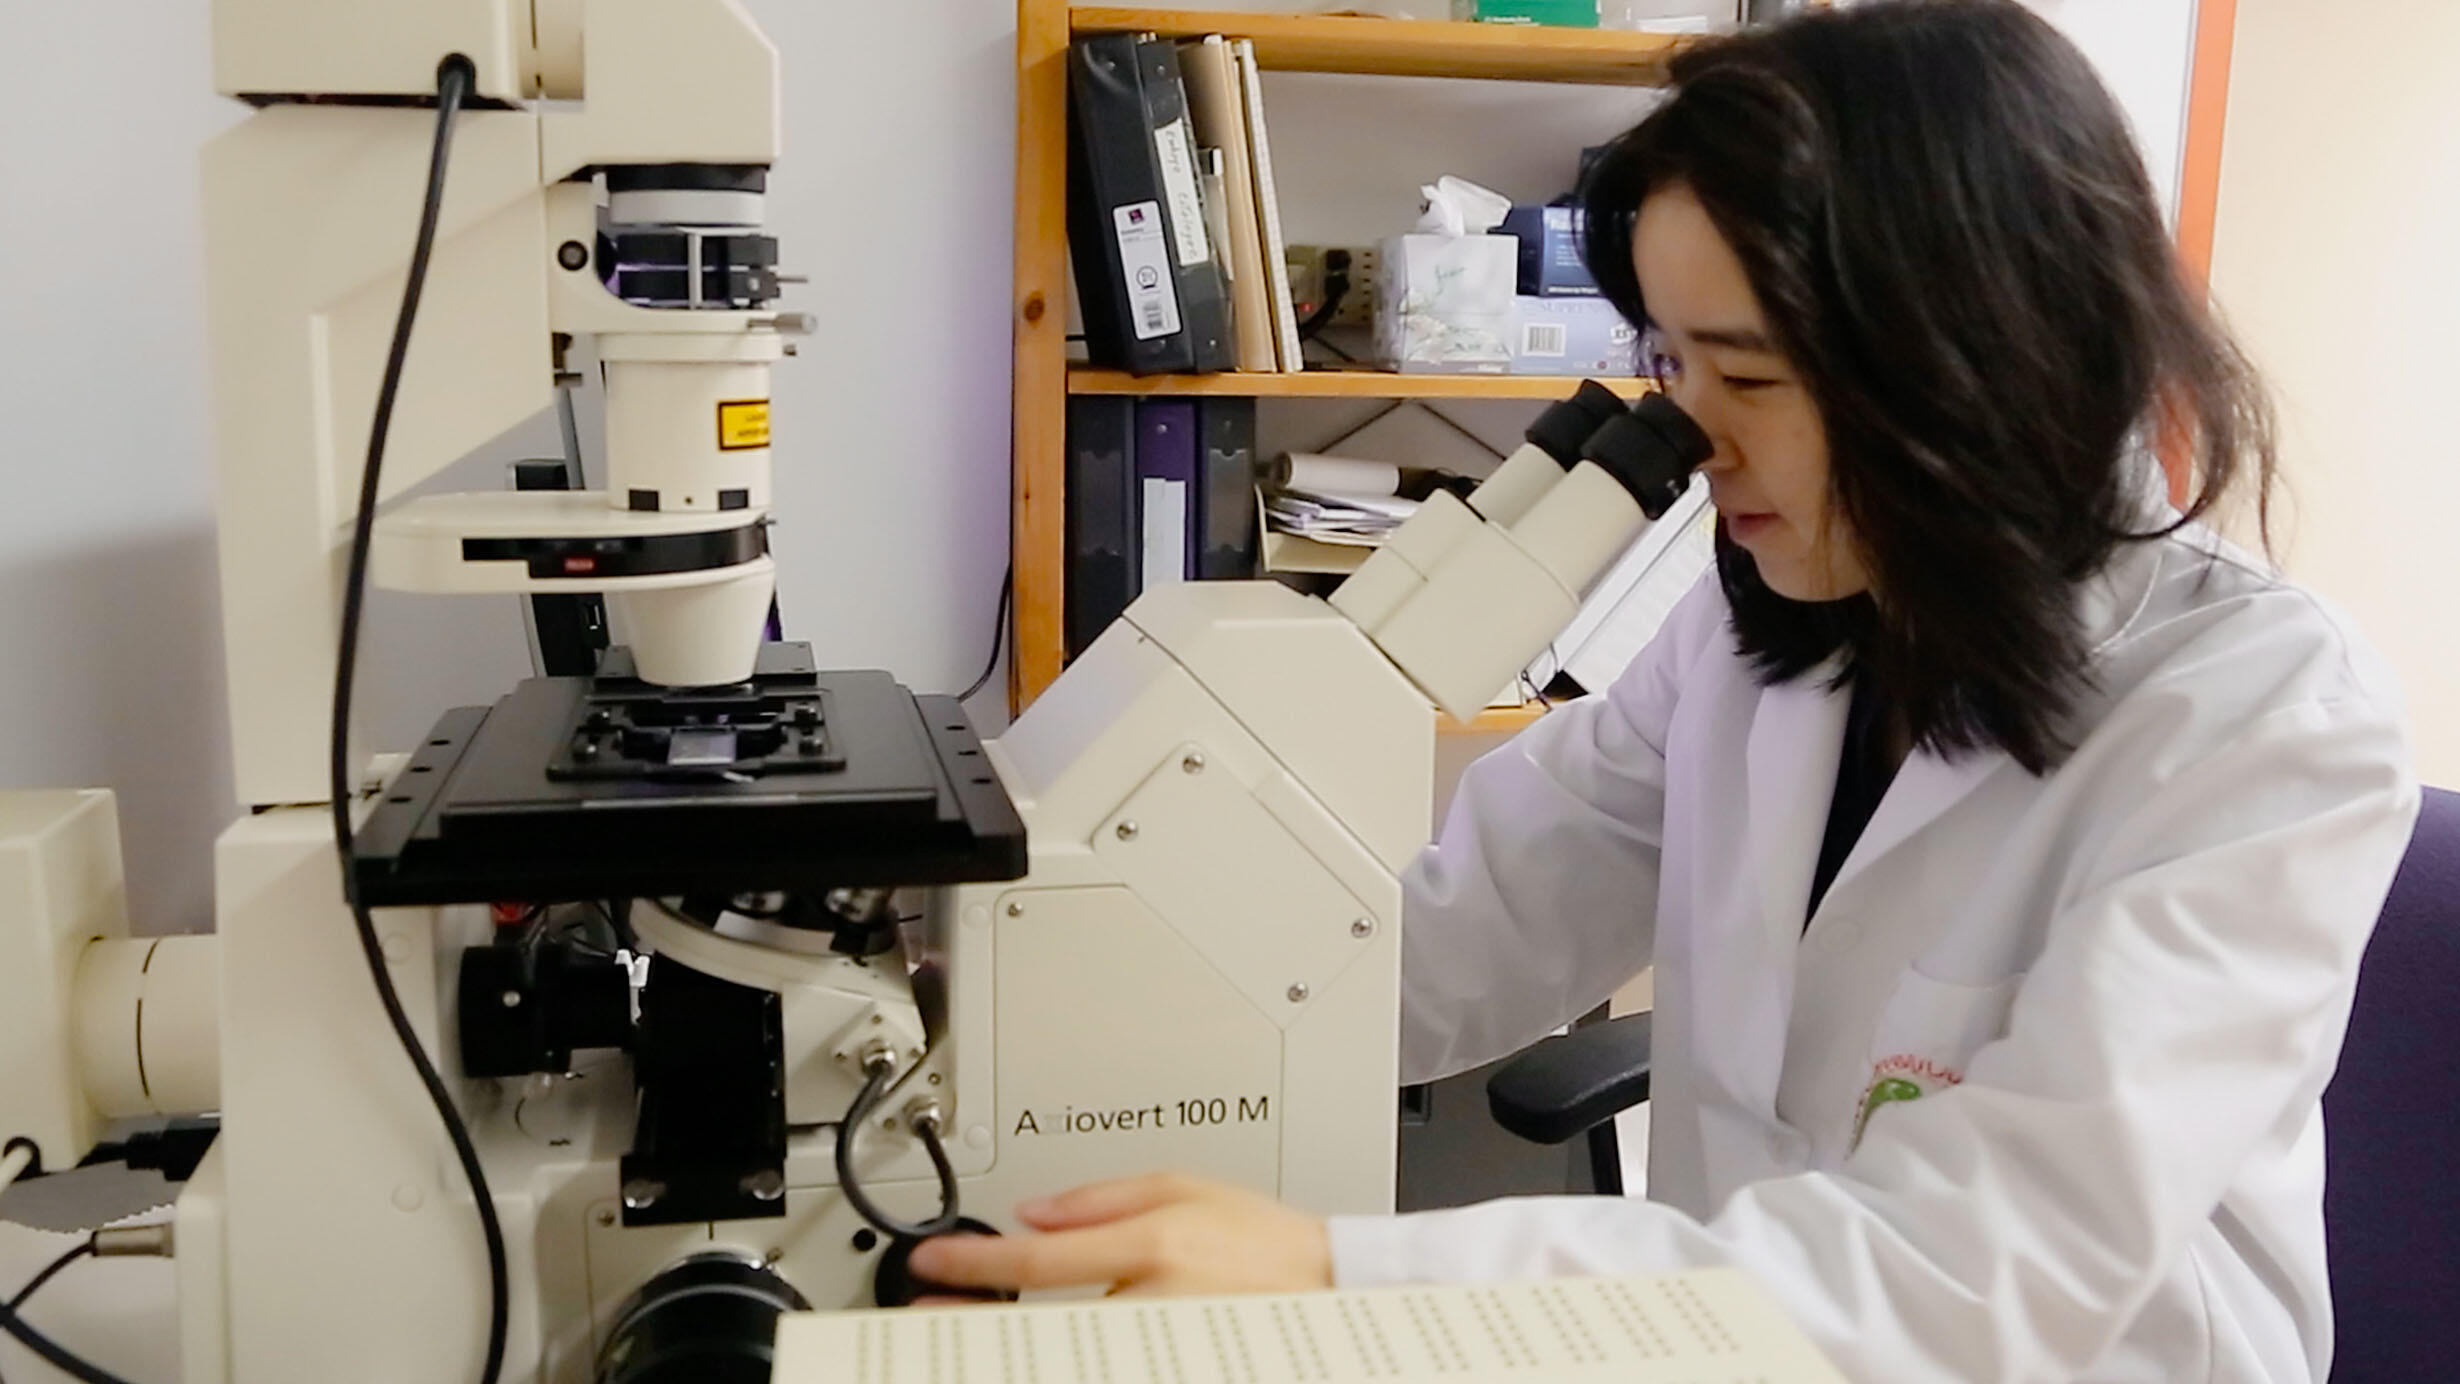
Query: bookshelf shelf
[[1499, 720], [1044, 381], [1409, 48], [1343, 384]]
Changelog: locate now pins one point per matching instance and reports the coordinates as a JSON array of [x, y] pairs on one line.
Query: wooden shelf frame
[[1345, 384], [1410, 47], [1495, 720], [1288, 43]]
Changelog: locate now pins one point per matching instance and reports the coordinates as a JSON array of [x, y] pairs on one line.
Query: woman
[[2004, 844]]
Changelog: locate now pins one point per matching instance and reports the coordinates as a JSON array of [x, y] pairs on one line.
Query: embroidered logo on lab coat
[[1898, 1078]]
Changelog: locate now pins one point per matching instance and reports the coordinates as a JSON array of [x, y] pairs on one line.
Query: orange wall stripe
[[2199, 191]]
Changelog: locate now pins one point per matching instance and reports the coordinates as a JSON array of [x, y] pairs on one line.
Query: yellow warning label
[[742, 424]]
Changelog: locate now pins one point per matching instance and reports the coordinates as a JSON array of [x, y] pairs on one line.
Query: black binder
[[1204, 289], [1105, 545], [1228, 547], [1145, 300]]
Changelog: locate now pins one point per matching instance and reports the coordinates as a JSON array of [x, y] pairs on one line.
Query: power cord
[[109, 1243], [84, 1248], [879, 1065], [453, 80], [999, 635], [52, 1351]]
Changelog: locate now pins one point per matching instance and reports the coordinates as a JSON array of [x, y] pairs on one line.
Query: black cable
[[53, 1351], [1336, 288], [1346, 357], [36, 1341], [50, 1271], [453, 78], [857, 1114], [999, 635]]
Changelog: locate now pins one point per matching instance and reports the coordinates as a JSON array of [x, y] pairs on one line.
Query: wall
[[110, 635], [2142, 49], [2336, 256]]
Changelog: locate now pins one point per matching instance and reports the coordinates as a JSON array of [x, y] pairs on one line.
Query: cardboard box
[[1550, 262], [1572, 336], [1443, 304]]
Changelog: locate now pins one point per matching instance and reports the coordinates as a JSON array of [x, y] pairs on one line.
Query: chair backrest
[[2391, 1200]]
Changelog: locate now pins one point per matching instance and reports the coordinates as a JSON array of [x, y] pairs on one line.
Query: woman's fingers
[[1099, 1203], [1019, 1262], [1168, 1233]]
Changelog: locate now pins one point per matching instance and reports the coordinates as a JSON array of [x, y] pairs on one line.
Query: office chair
[[2391, 1129]]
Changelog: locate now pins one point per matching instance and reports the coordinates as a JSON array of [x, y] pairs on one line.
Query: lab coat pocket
[[1926, 1033]]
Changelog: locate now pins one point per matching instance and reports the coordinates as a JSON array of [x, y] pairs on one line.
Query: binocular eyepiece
[[1650, 448]]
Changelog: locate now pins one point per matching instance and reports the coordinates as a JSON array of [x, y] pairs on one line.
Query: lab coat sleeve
[[1538, 899], [2188, 1002]]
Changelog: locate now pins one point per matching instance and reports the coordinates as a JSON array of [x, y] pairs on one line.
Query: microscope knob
[[893, 1283]]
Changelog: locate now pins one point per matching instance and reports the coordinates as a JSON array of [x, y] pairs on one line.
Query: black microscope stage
[[609, 787]]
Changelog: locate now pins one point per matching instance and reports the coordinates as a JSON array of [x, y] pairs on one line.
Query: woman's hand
[[1164, 1235]]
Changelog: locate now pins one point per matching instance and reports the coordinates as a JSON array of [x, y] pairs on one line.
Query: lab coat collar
[[1925, 789], [1790, 760], [1797, 739], [2109, 604]]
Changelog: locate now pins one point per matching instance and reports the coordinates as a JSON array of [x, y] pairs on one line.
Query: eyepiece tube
[[1652, 449]]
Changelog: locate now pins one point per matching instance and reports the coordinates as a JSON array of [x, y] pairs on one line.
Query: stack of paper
[[1356, 521]]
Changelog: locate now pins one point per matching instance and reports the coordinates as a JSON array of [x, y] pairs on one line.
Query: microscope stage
[[578, 788]]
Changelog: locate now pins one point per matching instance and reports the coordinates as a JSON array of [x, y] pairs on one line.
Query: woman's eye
[[1746, 383]]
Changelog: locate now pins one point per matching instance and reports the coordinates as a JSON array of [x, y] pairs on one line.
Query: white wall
[[2143, 50], [110, 652], [2337, 258]]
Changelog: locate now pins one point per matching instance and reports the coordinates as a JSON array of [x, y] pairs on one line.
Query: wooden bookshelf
[[1495, 720], [1410, 47], [1344, 384], [1288, 43]]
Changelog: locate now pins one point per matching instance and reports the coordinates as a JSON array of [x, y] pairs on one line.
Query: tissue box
[[1550, 263], [1443, 304], [1572, 336]]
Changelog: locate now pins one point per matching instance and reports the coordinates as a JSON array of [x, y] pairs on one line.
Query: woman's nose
[[1696, 401]]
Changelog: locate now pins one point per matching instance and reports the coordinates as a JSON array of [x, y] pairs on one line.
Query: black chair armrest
[[1573, 1082]]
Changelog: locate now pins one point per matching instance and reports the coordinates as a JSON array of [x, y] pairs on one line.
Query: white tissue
[[1457, 206]]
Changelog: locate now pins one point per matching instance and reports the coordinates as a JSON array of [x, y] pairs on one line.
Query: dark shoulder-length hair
[[1953, 239]]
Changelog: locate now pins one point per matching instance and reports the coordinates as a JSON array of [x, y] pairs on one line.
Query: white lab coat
[[2037, 1095]]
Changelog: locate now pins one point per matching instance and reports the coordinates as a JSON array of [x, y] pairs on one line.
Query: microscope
[[735, 977]]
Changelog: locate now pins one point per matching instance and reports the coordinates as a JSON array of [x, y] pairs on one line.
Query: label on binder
[[1178, 158], [1144, 263]]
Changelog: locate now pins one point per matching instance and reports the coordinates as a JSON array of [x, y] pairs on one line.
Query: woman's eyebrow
[[1735, 338]]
